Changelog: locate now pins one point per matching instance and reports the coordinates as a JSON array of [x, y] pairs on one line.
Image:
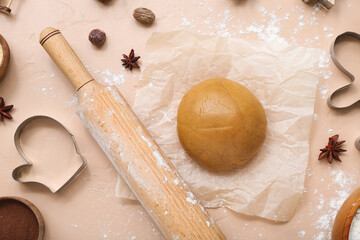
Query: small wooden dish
[[345, 216], [25, 204], [4, 56]]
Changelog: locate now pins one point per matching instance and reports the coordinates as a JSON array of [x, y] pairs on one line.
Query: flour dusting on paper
[[283, 78]]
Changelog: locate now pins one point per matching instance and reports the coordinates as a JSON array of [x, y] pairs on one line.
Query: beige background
[[88, 209]]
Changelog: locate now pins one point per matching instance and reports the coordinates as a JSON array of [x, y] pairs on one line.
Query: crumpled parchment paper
[[283, 78]]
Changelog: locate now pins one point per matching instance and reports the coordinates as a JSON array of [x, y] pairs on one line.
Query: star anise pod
[[4, 110], [332, 149], [130, 61]]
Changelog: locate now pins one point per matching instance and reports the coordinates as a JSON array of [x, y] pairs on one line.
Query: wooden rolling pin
[[132, 151]]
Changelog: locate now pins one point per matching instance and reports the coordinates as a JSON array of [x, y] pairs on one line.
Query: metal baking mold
[[347, 73], [342, 69], [6, 9], [17, 171], [325, 3]]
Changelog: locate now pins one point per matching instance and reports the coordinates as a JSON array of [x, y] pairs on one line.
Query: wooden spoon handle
[[65, 57]]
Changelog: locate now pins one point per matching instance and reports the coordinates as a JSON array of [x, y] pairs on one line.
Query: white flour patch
[[73, 101], [190, 200], [110, 78], [321, 202], [302, 234], [222, 28], [324, 73], [185, 22], [268, 32], [161, 161], [320, 236], [329, 208]]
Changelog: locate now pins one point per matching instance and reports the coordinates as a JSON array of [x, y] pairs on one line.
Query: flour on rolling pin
[[115, 145], [112, 143]]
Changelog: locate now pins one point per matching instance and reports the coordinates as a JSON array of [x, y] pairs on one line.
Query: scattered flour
[[320, 236], [330, 208], [268, 32], [176, 181], [222, 29], [324, 73], [321, 202], [191, 198], [110, 78], [355, 227], [301, 234], [185, 22]]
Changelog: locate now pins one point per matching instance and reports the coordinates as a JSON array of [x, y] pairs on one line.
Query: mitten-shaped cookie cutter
[[16, 174], [347, 73], [326, 3]]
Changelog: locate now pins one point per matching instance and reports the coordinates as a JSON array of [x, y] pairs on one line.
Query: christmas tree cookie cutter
[[330, 102], [65, 179]]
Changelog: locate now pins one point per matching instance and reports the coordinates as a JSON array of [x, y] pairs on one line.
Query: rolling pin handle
[[65, 58]]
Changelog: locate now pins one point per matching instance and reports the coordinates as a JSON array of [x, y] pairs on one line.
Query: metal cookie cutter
[[17, 171], [326, 3], [347, 73], [6, 9]]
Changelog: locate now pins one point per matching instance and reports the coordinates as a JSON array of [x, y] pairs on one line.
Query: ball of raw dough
[[221, 124]]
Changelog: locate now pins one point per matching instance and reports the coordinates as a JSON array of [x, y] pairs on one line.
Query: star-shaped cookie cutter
[[17, 171], [347, 73]]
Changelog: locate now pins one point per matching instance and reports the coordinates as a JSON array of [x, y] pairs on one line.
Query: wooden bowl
[[6, 201], [4, 56], [345, 216]]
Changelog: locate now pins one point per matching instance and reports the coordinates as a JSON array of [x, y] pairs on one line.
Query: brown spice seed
[[144, 15], [4, 110], [97, 37]]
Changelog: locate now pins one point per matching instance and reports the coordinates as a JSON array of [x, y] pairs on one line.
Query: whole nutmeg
[[97, 37], [144, 15]]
